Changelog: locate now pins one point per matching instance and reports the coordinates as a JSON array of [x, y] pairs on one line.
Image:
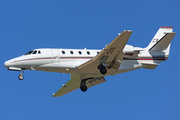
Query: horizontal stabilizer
[[149, 65]]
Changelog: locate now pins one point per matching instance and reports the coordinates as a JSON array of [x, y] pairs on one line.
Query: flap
[[95, 81]]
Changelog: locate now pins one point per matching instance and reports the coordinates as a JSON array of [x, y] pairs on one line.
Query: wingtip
[[53, 95], [128, 30]]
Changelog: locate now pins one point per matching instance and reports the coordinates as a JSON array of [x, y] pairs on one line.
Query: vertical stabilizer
[[162, 39]]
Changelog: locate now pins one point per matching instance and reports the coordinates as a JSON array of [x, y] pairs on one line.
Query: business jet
[[88, 67]]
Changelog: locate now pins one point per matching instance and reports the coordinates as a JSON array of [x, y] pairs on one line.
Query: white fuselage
[[67, 60]]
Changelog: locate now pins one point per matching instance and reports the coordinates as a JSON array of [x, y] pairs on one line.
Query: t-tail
[[161, 41]]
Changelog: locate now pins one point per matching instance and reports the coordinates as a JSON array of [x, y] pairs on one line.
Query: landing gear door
[[55, 56]]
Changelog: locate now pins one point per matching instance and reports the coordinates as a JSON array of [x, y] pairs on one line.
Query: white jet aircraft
[[89, 67]]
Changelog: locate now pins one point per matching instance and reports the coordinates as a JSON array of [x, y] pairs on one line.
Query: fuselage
[[67, 60]]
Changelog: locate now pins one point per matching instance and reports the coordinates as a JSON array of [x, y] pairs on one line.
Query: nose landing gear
[[21, 77]]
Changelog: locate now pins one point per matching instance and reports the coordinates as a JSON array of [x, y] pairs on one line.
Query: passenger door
[[55, 56]]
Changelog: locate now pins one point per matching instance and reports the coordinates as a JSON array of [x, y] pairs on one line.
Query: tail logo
[[155, 40]]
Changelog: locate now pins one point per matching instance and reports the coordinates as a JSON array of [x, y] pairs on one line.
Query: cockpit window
[[34, 52], [29, 52], [39, 52]]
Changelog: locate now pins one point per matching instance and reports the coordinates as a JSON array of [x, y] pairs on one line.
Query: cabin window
[[71, 52], [39, 52], [29, 52], [63, 52], [34, 52], [80, 52], [88, 52]]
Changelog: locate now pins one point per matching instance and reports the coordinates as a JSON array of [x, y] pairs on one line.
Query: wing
[[110, 57], [75, 81]]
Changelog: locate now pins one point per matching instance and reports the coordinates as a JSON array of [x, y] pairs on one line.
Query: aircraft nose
[[7, 64]]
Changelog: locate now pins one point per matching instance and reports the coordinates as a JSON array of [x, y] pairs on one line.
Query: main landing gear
[[21, 77], [83, 86], [102, 69]]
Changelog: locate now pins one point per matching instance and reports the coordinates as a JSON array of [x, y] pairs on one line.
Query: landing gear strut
[[83, 86], [102, 69], [21, 77]]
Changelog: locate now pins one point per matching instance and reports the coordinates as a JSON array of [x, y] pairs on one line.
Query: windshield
[[33, 52], [29, 52]]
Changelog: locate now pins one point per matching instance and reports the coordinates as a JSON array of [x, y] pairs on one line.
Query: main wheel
[[103, 70], [20, 77], [83, 88]]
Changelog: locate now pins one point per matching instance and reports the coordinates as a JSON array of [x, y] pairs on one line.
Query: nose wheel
[[21, 77]]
